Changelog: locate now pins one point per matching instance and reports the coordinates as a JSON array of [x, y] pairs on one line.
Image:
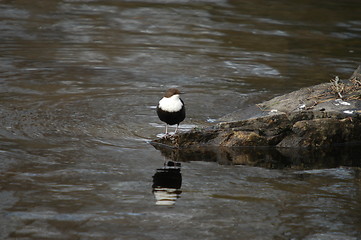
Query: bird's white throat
[[171, 104]]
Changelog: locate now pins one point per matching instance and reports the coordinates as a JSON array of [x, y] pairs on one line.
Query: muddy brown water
[[79, 80]]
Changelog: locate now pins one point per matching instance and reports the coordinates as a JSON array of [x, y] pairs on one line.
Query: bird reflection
[[167, 182]]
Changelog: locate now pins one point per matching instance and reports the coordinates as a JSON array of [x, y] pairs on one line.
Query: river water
[[79, 81]]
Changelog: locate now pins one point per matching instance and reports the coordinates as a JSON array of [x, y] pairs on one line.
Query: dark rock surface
[[310, 117]]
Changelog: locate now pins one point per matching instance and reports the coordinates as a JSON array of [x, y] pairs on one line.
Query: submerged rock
[[322, 115]]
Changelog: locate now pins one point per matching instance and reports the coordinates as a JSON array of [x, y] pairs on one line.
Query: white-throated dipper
[[171, 108]]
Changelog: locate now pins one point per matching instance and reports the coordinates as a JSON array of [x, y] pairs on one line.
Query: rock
[[310, 117]]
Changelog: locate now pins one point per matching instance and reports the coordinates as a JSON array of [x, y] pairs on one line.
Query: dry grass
[[349, 91]]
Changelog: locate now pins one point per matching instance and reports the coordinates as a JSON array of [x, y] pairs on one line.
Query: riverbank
[[323, 115]]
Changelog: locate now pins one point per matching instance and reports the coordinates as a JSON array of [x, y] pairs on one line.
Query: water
[[79, 80]]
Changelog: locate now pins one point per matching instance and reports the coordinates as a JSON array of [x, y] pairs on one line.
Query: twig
[[337, 87]]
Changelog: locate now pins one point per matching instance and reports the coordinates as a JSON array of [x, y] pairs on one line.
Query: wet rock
[[310, 117]]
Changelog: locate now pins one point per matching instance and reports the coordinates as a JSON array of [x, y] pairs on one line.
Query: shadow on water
[[167, 183], [268, 157]]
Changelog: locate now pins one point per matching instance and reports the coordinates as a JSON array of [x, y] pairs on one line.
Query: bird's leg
[[176, 128], [165, 162], [166, 129]]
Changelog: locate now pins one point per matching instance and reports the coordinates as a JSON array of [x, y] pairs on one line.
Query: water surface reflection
[[268, 157], [167, 182]]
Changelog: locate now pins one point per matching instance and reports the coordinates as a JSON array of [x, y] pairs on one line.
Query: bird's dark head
[[171, 91]]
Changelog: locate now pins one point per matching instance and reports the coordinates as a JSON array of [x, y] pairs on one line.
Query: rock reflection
[[167, 182], [268, 157]]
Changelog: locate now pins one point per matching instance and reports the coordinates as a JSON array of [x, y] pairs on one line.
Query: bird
[[171, 109]]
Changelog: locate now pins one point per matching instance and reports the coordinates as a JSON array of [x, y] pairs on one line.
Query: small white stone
[[340, 101]]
